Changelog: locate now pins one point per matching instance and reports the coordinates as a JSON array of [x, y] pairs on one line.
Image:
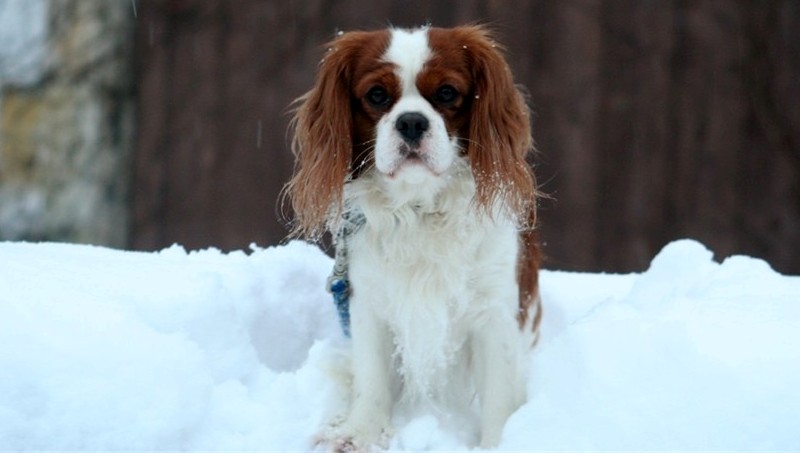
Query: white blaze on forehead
[[409, 51]]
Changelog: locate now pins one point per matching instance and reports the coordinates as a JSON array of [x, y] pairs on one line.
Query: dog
[[411, 149]]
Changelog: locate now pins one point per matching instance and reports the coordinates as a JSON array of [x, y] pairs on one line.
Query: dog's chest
[[420, 279], [420, 263]]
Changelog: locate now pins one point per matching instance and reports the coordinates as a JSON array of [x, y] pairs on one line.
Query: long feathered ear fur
[[499, 133], [323, 143]]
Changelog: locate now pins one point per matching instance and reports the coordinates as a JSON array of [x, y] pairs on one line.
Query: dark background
[[654, 120]]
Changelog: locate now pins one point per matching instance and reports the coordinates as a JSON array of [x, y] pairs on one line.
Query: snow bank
[[103, 349], [695, 356]]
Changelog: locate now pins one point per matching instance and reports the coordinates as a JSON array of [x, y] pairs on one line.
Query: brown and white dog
[[423, 135]]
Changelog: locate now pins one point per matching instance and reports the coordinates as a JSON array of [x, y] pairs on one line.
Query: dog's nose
[[411, 126]]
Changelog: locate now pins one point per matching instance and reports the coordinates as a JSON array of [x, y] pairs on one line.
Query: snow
[[104, 349]]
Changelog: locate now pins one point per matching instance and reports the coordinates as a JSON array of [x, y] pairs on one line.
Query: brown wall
[[654, 120]]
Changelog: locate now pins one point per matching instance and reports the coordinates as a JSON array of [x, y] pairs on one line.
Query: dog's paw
[[342, 444], [351, 445], [351, 439]]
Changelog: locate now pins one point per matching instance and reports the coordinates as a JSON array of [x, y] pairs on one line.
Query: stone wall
[[66, 120]]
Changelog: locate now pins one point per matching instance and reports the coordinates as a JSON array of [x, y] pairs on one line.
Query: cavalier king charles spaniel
[[413, 142]]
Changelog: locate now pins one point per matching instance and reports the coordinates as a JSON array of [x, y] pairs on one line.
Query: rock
[[66, 132]]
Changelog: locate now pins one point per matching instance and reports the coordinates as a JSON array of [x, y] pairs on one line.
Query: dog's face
[[410, 106], [416, 107]]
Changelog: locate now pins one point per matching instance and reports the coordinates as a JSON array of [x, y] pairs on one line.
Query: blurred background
[[137, 124]]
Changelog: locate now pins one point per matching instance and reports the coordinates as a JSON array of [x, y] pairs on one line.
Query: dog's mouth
[[410, 153], [411, 159]]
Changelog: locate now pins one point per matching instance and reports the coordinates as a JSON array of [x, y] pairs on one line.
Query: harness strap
[[338, 281]]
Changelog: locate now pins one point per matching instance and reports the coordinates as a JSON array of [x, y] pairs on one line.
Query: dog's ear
[[499, 132], [322, 143]]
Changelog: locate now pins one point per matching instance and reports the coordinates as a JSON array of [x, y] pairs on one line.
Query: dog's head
[[410, 106]]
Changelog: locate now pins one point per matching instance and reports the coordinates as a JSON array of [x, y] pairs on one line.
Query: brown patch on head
[[366, 114], [331, 129], [448, 68], [496, 129]]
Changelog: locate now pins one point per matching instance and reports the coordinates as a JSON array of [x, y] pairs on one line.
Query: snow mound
[[106, 350]]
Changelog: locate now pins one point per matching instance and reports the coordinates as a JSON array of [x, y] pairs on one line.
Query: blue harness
[[338, 281], [340, 290]]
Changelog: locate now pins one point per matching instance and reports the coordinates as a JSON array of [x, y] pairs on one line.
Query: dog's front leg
[[498, 373], [368, 421]]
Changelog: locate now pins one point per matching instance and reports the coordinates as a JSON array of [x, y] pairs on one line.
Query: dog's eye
[[377, 96], [446, 94]]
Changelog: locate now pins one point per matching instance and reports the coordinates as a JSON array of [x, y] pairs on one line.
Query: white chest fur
[[428, 273]]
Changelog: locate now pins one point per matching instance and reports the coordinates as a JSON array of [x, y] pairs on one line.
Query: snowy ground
[[107, 350]]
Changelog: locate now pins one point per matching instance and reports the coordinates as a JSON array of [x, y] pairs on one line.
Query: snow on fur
[[103, 349]]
